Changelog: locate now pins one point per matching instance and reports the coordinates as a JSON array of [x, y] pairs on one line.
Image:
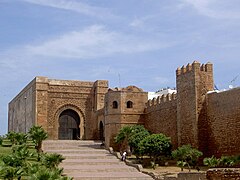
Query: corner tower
[[193, 83]]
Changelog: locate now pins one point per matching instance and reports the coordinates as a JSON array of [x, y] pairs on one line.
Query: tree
[[37, 134], [155, 146], [129, 137], [187, 154], [135, 139], [123, 134]]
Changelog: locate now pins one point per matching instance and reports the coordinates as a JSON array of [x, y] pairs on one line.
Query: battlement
[[161, 99], [195, 66]]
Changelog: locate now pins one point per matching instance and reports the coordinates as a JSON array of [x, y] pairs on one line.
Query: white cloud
[[93, 42], [76, 6], [216, 8]]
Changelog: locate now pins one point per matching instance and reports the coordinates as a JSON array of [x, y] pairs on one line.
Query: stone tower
[[123, 106], [193, 83]]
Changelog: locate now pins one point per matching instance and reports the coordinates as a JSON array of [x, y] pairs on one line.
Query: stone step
[[99, 162], [87, 160], [97, 168], [116, 175], [79, 161], [77, 151], [75, 142], [110, 178], [86, 156]]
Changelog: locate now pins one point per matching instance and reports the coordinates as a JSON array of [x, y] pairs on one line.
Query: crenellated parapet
[[194, 67], [161, 99]]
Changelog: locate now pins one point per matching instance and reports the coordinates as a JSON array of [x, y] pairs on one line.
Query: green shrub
[[211, 162], [188, 155]]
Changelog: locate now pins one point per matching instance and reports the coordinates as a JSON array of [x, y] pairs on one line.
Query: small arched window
[[129, 104], [115, 104]]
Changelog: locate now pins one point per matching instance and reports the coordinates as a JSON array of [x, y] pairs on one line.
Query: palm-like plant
[[21, 152], [37, 134], [14, 165], [17, 138], [44, 173], [12, 137], [10, 173], [21, 138], [52, 160]]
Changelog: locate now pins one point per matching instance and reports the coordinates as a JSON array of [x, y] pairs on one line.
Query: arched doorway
[[69, 122], [101, 131]]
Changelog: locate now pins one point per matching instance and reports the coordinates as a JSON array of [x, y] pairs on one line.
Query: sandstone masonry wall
[[161, 116], [223, 111], [223, 174]]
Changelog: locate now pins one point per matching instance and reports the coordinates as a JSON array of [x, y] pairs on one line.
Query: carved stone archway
[[78, 112]]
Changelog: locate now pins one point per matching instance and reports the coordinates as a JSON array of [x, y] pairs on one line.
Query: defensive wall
[[161, 116], [197, 115], [223, 113]]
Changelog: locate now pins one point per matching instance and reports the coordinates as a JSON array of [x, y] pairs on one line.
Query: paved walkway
[[87, 160]]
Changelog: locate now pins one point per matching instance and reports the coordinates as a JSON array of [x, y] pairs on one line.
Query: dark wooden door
[[69, 125]]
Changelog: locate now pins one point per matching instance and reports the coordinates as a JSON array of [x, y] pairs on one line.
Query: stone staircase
[[87, 160]]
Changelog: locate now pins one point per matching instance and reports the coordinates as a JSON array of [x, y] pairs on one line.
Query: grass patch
[[5, 150]]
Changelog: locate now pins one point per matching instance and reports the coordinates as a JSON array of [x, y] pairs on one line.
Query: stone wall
[[161, 116], [21, 110], [223, 174], [223, 111], [192, 176]]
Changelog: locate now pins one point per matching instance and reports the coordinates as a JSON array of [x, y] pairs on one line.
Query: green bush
[[211, 162], [224, 161], [188, 155]]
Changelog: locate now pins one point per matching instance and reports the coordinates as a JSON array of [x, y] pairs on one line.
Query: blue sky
[[140, 41]]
